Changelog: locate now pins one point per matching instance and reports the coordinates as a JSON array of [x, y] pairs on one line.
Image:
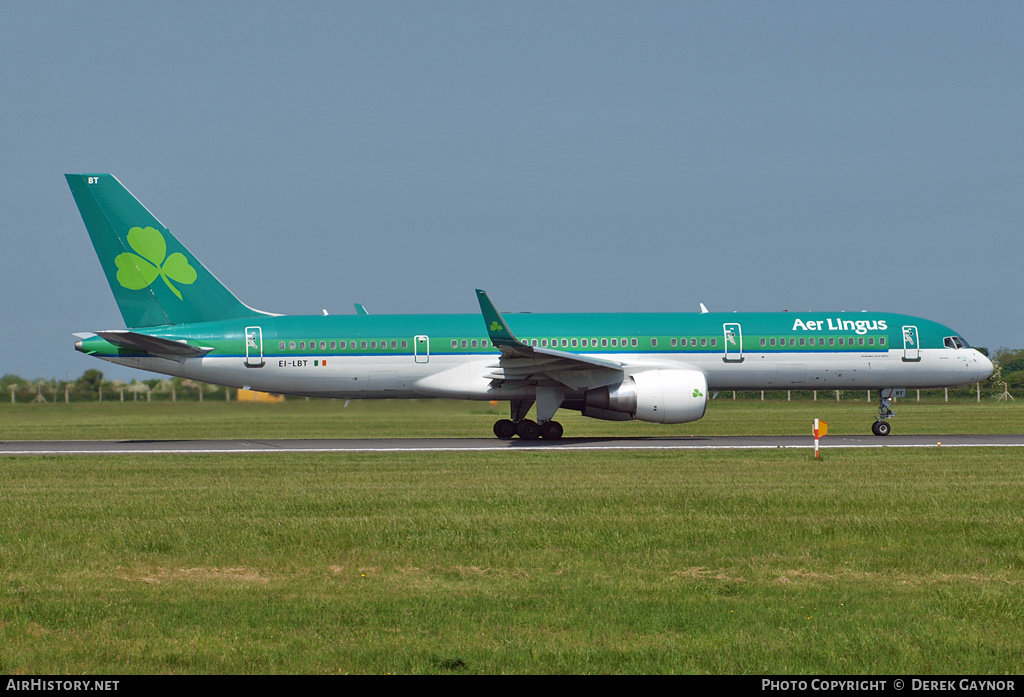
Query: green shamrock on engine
[[138, 271]]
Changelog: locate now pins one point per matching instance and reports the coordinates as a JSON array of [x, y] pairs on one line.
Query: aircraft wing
[[520, 362], [153, 345]]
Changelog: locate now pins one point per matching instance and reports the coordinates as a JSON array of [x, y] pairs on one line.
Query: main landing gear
[[881, 426], [527, 429]]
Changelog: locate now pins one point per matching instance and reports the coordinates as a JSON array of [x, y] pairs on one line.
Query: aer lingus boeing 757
[[655, 367]]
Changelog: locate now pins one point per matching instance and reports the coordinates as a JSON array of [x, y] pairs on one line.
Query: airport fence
[[91, 387]]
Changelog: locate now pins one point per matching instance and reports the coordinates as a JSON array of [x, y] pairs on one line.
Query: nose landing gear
[[881, 426]]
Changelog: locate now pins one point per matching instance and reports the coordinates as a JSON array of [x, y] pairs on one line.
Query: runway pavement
[[82, 447]]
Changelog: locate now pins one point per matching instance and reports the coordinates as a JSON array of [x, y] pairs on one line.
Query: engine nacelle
[[659, 396]]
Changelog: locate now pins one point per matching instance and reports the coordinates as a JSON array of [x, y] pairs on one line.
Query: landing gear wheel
[[528, 430], [504, 429], [881, 428], [551, 430]]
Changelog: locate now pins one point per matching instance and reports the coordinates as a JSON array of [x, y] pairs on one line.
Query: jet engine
[[659, 396]]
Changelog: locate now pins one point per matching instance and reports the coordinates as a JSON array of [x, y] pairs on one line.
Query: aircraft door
[[421, 348], [733, 342], [254, 347], [911, 344]]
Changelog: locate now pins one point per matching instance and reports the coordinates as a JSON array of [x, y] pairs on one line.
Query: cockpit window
[[955, 342]]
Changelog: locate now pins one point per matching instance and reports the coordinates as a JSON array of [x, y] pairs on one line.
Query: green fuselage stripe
[[631, 333]]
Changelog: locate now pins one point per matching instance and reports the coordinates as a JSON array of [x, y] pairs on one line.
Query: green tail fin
[[155, 279]]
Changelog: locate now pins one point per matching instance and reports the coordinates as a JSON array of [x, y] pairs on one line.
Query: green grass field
[[875, 561]]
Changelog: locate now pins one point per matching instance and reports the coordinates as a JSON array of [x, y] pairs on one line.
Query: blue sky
[[569, 156]]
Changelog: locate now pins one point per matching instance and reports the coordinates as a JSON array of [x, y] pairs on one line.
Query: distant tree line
[[91, 386]]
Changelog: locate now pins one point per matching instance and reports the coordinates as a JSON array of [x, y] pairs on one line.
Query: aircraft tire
[[504, 429], [881, 428], [551, 430], [528, 429]]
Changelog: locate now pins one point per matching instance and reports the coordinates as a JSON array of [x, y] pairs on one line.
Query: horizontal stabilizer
[[153, 345]]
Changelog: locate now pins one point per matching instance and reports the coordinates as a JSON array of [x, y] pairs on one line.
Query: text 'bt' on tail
[[155, 279]]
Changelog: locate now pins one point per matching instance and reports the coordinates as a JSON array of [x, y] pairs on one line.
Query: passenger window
[[323, 345], [714, 342], [860, 341], [455, 343], [693, 342], [465, 344], [771, 342], [291, 345], [615, 343], [871, 341], [583, 343], [405, 344], [881, 341], [362, 344], [544, 343], [334, 345], [394, 344], [373, 344], [533, 342], [280, 345], [703, 342], [484, 343], [574, 343], [654, 343], [302, 345], [565, 343], [801, 341], [634, 342], [763, 341], [472, 343], [673, 342], [604, 343]]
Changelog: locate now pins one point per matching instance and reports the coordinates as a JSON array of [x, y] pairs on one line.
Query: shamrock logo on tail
[[495, 326], [138, 271]]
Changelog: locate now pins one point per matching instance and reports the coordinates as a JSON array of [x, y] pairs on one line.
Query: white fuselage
[[465, 377]]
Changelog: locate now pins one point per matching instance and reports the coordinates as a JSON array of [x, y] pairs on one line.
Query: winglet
[[360, 310], [497, 328]]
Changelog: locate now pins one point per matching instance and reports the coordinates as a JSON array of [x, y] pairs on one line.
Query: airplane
[[655, 367]]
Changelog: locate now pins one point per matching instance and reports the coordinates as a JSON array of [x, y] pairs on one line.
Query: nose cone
[[984, 366]]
